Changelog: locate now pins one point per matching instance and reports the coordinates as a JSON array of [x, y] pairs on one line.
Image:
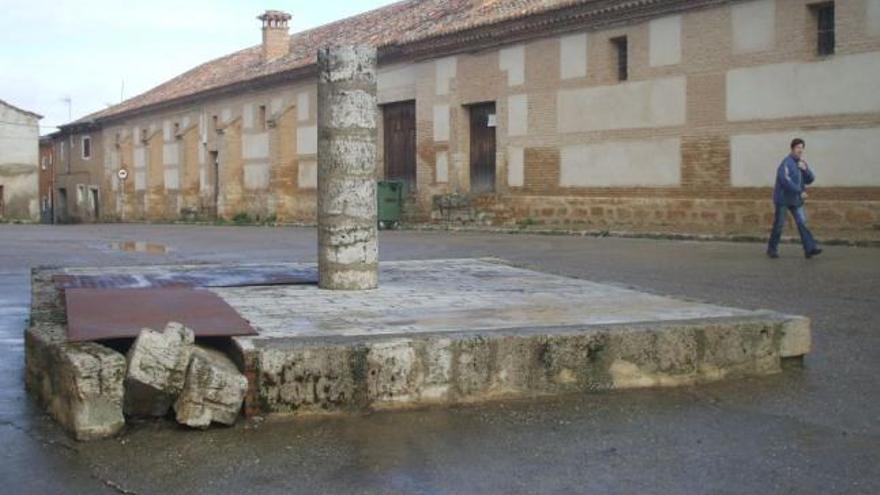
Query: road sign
[[122, 174]]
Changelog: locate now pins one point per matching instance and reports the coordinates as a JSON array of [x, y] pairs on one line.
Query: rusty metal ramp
[[209, 276], [110, 313]]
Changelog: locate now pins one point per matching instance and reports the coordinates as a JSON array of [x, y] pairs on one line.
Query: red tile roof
[[398, 23]]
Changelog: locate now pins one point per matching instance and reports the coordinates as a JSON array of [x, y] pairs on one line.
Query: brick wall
[[525, 80], [704, 197]]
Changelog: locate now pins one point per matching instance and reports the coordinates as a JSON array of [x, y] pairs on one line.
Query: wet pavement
[[138, 247], [810, 430]]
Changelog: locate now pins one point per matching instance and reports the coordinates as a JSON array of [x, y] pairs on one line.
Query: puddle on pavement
[[140, 247]]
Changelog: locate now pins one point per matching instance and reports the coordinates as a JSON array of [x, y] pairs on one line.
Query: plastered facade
[[250, 145], [19, 169]]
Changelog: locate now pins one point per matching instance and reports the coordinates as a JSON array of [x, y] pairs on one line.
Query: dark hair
[[797, 141]]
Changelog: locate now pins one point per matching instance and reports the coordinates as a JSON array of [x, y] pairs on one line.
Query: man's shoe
[[813, 252], [772, 254]]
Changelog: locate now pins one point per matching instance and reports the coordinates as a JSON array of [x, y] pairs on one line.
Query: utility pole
[[69, 102]]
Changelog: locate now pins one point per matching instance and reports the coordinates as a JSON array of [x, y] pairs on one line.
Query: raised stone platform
[[452, 331]]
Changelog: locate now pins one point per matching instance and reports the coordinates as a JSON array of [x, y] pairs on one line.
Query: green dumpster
[[390, 197]]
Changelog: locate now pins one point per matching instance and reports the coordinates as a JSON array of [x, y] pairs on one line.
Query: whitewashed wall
[[839, 157], [19, 163], [844, 84]]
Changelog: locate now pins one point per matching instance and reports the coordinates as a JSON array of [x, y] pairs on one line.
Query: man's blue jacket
[[791, 181]]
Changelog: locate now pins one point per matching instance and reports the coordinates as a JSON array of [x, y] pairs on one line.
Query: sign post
[[122, 174]]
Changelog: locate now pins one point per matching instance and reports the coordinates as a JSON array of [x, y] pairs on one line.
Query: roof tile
[[398, 23]]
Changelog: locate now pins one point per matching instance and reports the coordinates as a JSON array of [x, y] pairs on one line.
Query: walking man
[[792, 178]]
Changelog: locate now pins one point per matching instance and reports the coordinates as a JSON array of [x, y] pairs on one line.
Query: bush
[[526, 222], [241, 218]]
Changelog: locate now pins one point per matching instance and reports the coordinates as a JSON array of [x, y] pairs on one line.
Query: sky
[[97, 52]]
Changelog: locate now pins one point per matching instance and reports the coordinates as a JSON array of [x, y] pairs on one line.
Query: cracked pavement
[[809, 430]]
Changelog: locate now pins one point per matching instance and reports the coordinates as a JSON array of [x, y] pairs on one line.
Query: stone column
[[348, 257]]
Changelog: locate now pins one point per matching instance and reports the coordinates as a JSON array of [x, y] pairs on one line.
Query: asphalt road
[[810, 430]]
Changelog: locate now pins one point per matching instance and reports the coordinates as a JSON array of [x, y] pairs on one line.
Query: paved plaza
[[814, 429]]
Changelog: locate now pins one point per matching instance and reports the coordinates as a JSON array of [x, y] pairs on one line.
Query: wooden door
[[215, 172], [482, 148], [61, 207], [96, 207], [400, 142]]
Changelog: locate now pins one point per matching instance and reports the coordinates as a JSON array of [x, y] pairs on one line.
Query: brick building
[[610, 113], [80, 174], [46, 179]]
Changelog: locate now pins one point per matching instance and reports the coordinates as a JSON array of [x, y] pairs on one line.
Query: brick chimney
[[276, 41]]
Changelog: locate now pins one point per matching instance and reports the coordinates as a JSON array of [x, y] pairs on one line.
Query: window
[[824, 15], [215, 122], [86, 147], [45, 163], [620, 47], [93, 200], [80, 193], [177, 129], [262, 118]]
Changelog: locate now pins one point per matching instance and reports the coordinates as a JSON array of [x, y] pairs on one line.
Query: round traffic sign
[[122, 174]]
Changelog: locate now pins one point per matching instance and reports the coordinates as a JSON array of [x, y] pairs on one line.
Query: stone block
[[744, 349], [796, 338], [390, 372], [90, 392], [213, 392], [859, 217], [472, 360], [157, 364], [79, 384], [310, 379]]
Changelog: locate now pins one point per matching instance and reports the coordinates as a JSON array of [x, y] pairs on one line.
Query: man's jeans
[[800, 218]]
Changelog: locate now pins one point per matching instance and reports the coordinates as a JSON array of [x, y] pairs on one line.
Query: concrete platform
[[465, 330]]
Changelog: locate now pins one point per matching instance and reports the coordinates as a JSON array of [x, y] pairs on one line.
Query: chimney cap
[[274, 17]]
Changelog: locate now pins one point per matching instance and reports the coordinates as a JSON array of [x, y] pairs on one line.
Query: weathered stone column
[[348, 257]]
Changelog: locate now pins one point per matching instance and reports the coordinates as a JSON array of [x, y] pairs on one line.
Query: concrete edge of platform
[[320, 375]]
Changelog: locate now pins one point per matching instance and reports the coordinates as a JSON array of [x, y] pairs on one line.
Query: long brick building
[[610, 113]]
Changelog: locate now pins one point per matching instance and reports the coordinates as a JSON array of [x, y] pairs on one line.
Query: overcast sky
[[85, 49]]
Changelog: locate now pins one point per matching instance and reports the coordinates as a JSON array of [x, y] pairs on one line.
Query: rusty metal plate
[[99, 314], [200, 277]]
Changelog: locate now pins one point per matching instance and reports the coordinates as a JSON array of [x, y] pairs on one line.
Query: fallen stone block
[[80, 385], [213, 392], [157, 364], [796, 337]]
